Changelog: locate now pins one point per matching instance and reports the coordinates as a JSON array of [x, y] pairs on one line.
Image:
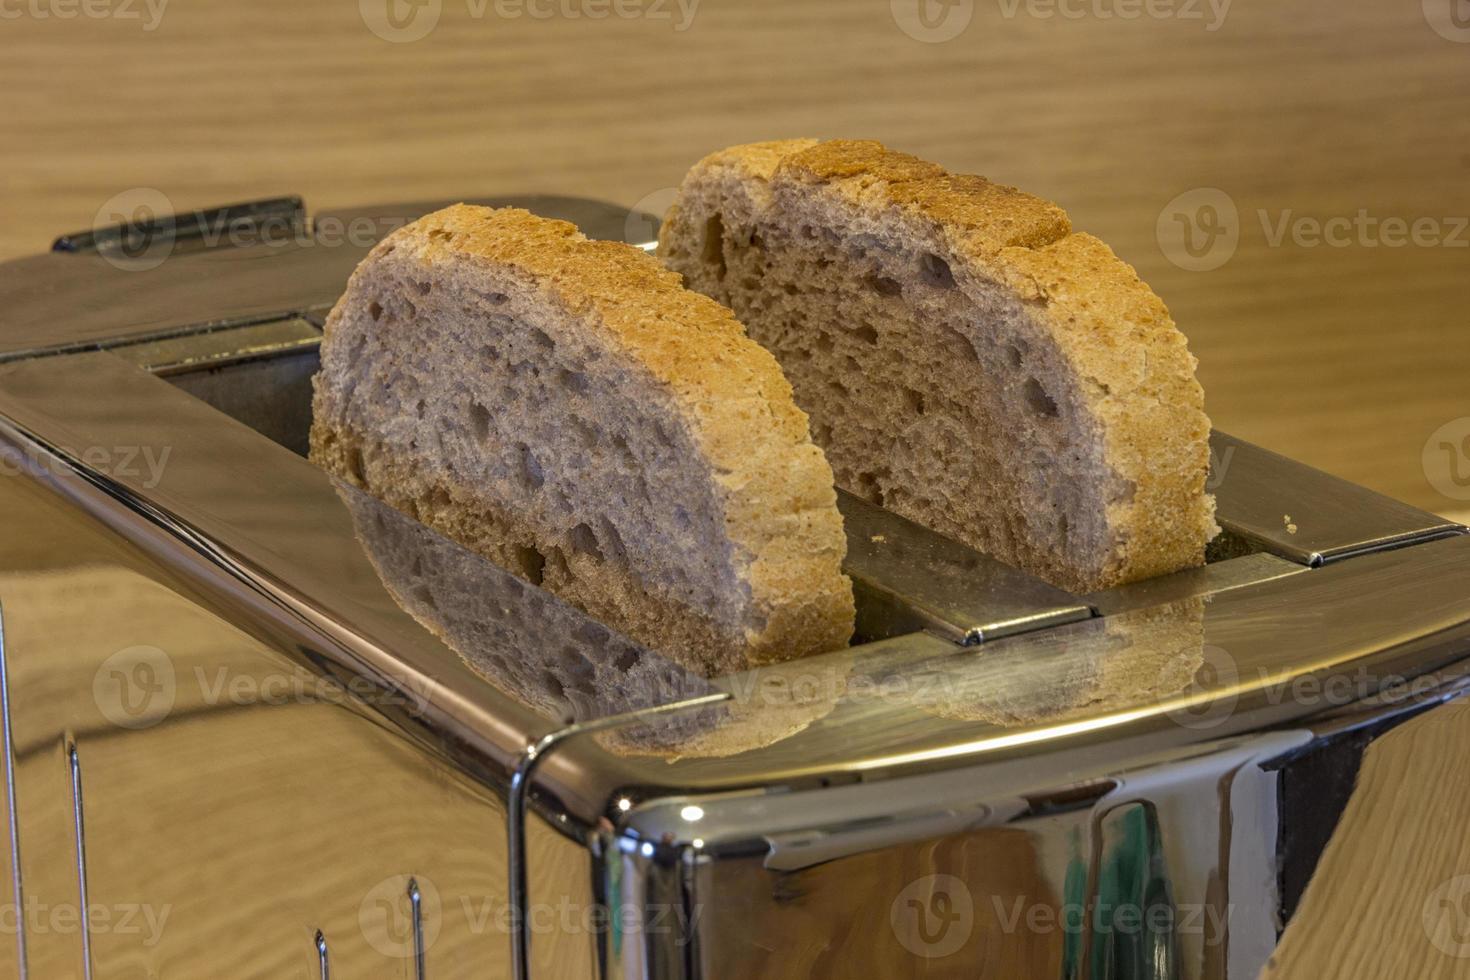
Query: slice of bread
[[563, 407], [967, 359]]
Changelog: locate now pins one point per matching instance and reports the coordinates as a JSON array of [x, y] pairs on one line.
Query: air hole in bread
[[592, 634], [532, 564], [542, 338], [581, 669], [553, 685], [479, 422], [915, 400], [424, 288], [354, 353], [823, 343], [356, 467], [935, 271], [496, 298], [586, 433], [530, 474], [413, 311], [584, 541], [375, 309], [490, 353], [885, 286], [1038, 400], [422, 594], [573, 381], [439, 498], [612, 541], [714, 244], [868, 489], [867, 333], [959, 342], [627, 660], [1014, 354]]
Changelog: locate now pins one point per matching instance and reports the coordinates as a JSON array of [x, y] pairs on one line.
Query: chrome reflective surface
[[313, 738], [908, 578], [1305, 515], [230, 274]]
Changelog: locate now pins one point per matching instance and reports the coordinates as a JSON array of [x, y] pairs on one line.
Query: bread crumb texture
[[564, 407], [967, 359]]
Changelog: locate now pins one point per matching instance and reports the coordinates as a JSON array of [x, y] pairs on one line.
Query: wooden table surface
[[1349, 352]]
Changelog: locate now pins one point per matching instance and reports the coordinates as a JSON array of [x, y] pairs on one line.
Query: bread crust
[[729, 396], [1124, 351]]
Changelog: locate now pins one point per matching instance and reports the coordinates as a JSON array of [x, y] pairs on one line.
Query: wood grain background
[[1350, 356]]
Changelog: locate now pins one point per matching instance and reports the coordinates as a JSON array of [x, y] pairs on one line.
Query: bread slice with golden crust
[[565, 408], [967, 359]]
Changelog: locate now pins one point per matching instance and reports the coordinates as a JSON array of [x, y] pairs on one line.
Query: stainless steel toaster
[[258, 725]]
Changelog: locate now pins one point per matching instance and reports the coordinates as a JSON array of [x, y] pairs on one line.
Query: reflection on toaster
[[552, 658], [1090, 669]]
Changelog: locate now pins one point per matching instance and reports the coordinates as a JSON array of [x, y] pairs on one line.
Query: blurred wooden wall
[[1351, 356]]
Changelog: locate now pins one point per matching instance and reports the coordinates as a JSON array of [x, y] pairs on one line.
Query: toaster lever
[[203, 228]]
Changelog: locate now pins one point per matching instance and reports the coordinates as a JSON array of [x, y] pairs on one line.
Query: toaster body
[[258, 725]]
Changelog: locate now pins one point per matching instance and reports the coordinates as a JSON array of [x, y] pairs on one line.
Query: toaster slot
[[906, 578]]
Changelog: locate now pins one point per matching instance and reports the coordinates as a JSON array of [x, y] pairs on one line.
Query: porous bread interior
[[490, 400], [966, 360]]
